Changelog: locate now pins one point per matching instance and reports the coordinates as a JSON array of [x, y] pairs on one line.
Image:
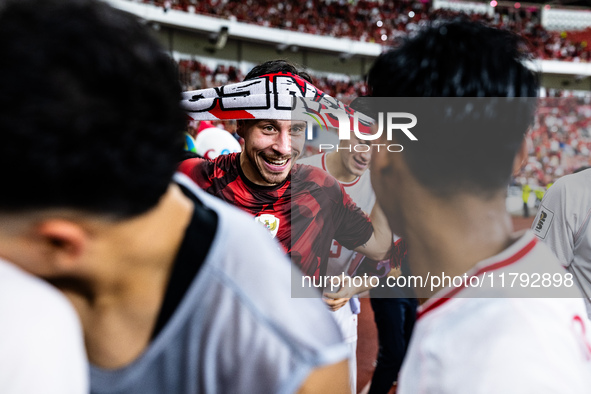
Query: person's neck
[[451, 236], [122, 300], [249, 172], [247, 169], [335, 167]]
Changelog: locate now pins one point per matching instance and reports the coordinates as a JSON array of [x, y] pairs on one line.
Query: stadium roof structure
[[552, 3]]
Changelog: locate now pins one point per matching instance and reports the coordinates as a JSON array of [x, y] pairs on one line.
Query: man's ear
[[381, 159], [64, 242], [520, 158]]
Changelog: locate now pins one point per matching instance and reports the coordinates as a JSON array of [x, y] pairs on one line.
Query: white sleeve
[[42, 348], [554, 225]]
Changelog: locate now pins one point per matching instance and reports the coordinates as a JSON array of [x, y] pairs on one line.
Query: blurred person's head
[[230, 125], [271, 146], [352, 157], [464, 146], [91, 123], [213, 142]]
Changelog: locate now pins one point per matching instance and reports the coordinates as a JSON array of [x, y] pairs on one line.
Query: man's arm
[[200, 171], [552, 223], [337, 300], [378, 246], [397, 254]]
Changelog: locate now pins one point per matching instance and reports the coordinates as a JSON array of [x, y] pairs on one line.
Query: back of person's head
[[466, 144], [276, 66], [89, 109], [455, 59]]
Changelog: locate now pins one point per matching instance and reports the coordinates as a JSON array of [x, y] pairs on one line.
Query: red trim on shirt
[[425, 308], [323, 161]]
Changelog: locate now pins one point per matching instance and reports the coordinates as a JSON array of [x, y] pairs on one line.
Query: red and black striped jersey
[[305, 213]]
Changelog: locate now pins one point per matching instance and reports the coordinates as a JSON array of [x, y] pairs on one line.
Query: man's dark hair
[[365, 105], [276, 66], [89, 109], [467, 144], [361, 104]]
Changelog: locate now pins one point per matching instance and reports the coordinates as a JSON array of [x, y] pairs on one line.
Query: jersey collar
[[517, 251], [344, 184]]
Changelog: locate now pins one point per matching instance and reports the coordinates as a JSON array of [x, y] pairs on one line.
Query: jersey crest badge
[[270, 222], [543, 221]]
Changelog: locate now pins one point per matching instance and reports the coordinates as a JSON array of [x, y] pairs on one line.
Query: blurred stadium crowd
[[387, 22], [559, 141]]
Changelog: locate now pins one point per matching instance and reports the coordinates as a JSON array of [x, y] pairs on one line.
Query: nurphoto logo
[[363, 127]]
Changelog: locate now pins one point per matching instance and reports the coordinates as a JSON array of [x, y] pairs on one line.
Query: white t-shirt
[[562, 223], [501, 344], [41, 343]]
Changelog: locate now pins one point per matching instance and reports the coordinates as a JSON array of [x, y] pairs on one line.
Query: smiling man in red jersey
[[303, 207]]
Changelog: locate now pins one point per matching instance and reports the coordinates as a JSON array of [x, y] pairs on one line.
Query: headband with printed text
[[269, 96]]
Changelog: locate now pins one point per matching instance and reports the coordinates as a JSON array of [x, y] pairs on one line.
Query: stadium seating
[[386, 23]]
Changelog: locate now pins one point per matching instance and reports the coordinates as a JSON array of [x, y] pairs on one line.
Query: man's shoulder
[[222, 161], [496, 338], [24, 292], [310, 174], [576, 178], [28, 305], [572, 187], [40, 337], [314, 160], [485, 324], [204, 172], [504, 312], [524, 277]]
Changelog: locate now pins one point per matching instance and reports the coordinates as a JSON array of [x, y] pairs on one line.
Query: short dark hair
[[90, 115], [276, 66], [364, 104], [462, 146]]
